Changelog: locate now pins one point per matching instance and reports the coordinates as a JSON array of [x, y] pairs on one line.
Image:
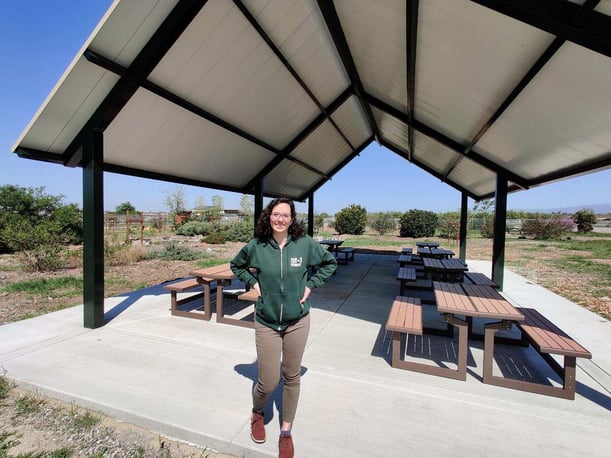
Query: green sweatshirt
[[282, 275]]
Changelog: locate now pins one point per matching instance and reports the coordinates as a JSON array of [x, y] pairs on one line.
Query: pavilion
[[273, 98]]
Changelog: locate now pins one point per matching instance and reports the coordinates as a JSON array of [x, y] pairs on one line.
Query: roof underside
[[228, 94]]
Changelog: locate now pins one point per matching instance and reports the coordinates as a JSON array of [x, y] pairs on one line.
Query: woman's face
[[280, 218]]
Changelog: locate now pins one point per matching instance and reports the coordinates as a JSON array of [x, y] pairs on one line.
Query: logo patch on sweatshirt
[[296, 262]]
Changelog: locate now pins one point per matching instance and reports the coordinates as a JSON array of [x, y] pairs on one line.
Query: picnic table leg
[[207, 306], [463, 345]]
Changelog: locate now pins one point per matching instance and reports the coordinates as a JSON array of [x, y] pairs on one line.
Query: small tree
[[382, 223], [546, 228], [484, 210], [176, 203], [125, 207], [418, 223], [351, 220], [585, 220]]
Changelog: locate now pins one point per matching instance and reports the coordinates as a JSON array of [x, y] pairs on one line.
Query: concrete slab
[[191, 380]]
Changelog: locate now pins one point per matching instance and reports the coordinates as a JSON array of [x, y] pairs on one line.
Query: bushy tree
[[546, 228], [484, 210], [585, 220], [37, 227], [351, 220], [418, 223], [125, 207], [382, 223]]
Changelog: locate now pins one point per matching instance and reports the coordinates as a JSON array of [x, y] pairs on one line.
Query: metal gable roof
[[224, 94]]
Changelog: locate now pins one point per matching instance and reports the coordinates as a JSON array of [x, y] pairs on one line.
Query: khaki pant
[[271, 347]]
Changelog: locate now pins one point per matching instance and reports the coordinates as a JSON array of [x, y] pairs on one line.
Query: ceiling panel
[[222, 65], [298, 30], [375, 32], [324, 149], [155, 135], [290, 179], [469, 58], [570, 103]]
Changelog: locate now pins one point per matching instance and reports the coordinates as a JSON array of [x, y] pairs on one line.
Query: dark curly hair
[[263, 229]]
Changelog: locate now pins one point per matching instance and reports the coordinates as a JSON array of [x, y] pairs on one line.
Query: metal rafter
[[329, 14], [106, 63], [289, 67], [144, 63], [411, 41], [553, 16], [446, 141], [578, 18]]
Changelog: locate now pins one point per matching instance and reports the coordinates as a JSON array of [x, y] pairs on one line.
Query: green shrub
[[239, 232], [351, 220], [418, 223], [174, 251], [486, 228], [544, 229], [585, 220], [382, 223], [215, 238], [191, 228]]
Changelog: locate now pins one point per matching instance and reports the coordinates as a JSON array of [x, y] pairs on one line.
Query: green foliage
[[418, 223], [191, 228], [33, 221], [544, 229], [174, 251], [382, 223], [351, 220], [5, 388], [585, 220], [242, 231], [319, 221], [46, 286], [6, 443], [125, 207]]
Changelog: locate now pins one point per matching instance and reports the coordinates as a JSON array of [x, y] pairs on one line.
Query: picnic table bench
[[477, 278], [345, 254], [181, 287], [547, 339]]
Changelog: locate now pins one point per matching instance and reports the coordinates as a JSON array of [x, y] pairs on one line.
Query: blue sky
[[39, 39]]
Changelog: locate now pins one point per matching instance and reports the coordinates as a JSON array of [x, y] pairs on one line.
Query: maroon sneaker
[[257, 427], [285, 446]]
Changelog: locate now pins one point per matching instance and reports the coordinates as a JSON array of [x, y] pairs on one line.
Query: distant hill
[[596, 208]]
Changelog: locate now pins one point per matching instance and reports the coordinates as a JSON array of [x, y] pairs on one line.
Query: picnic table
[[427, 244], [222, 276], [474, 301], [332, 245], [444, 269]]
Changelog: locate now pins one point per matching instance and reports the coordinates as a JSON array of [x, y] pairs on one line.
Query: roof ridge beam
[[554, 16], [329, 14], [447, 141], [288, 66], [149, 56]]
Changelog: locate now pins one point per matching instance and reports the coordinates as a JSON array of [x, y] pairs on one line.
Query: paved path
[[191, 380]]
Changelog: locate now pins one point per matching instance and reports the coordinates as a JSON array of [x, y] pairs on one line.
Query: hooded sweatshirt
[[282, 274]]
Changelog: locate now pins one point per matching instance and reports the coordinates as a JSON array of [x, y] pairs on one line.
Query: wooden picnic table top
[[454, 265], [474, 300], [406, 273], [220, 272], [427, 244], [432, 264]]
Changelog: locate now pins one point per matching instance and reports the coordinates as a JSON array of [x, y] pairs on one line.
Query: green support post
[[93, 230], [500, 226]]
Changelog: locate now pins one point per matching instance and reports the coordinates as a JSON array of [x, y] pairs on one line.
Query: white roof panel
[[224, 94]]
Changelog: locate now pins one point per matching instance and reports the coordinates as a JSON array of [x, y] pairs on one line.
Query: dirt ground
[[50, 427]]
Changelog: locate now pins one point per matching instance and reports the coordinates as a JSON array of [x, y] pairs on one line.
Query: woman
[[280, 255]]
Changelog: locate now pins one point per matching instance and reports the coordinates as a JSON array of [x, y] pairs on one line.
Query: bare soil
[[50, 428]]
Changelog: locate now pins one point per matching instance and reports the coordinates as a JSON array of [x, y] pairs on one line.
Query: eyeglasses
[[284, 216]]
